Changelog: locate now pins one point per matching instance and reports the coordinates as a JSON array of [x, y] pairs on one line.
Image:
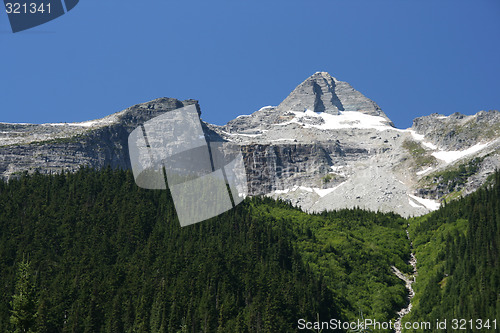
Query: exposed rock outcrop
[[458, 131], [51, 148], [321, 92]]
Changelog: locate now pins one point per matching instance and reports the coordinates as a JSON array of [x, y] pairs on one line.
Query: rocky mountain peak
[[316, 93], [321, 92]]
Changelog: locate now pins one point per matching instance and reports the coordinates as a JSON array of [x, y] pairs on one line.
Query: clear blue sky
[[413, 58]]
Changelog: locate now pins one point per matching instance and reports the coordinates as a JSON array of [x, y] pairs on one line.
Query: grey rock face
[[458, 131], [316, 93], [51, 148], [321, 92], [278, 167]]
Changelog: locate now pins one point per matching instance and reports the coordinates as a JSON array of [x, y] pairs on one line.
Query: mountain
[[326, 146]]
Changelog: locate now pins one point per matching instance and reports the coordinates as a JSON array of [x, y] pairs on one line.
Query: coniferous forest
[[459, 269], [92, 252]]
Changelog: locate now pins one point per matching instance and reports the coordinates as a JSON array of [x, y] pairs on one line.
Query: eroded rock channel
[[409, 280]]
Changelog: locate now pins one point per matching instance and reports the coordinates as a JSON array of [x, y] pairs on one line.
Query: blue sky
[[413, 58]]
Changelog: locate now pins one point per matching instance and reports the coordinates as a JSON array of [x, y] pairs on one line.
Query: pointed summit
[[321, 92]]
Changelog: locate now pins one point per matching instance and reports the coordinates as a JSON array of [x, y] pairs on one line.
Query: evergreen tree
[[23, 313]]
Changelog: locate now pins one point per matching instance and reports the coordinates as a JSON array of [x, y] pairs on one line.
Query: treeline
[[99, 254], [457, 249]]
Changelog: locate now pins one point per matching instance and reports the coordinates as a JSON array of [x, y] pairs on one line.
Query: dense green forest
[[92, 252], [457, 248]]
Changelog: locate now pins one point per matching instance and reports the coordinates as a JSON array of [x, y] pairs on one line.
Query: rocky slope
[[326, 146]]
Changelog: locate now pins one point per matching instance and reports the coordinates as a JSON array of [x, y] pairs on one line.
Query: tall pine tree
[[23, 313]]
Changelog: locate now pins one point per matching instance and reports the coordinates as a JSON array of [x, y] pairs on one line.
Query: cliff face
[[51, 148], [321, 92], [278, 167], [326, 146]]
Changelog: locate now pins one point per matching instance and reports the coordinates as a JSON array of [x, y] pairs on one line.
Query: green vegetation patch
[[328, 178], [419, 154], [453, 178], [353, 251]]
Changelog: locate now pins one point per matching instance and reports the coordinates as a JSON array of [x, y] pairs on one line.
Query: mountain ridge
[[326, 146]]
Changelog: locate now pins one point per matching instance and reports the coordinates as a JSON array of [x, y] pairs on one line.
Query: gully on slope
[[408, 282]]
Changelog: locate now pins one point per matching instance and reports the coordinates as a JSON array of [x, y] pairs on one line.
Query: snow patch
[[86, 124], [55, 124], [266, 107], [424, 171], [241, 134], [109, 120], [284, 140], [429, 145], [3, 123], [337, 168], [344, 120], [310, 113], [428, 203], [413, 204], [416, 136], [451, 156], [324, 191], [420, 138], [319, 191], [248, 135]]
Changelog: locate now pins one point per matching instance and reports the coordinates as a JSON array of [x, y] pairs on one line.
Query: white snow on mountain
[[421, 139], [109, 120], [319, 191], [346, 119], [424, 171], [427, 203], [266, 107], [451, 156]]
